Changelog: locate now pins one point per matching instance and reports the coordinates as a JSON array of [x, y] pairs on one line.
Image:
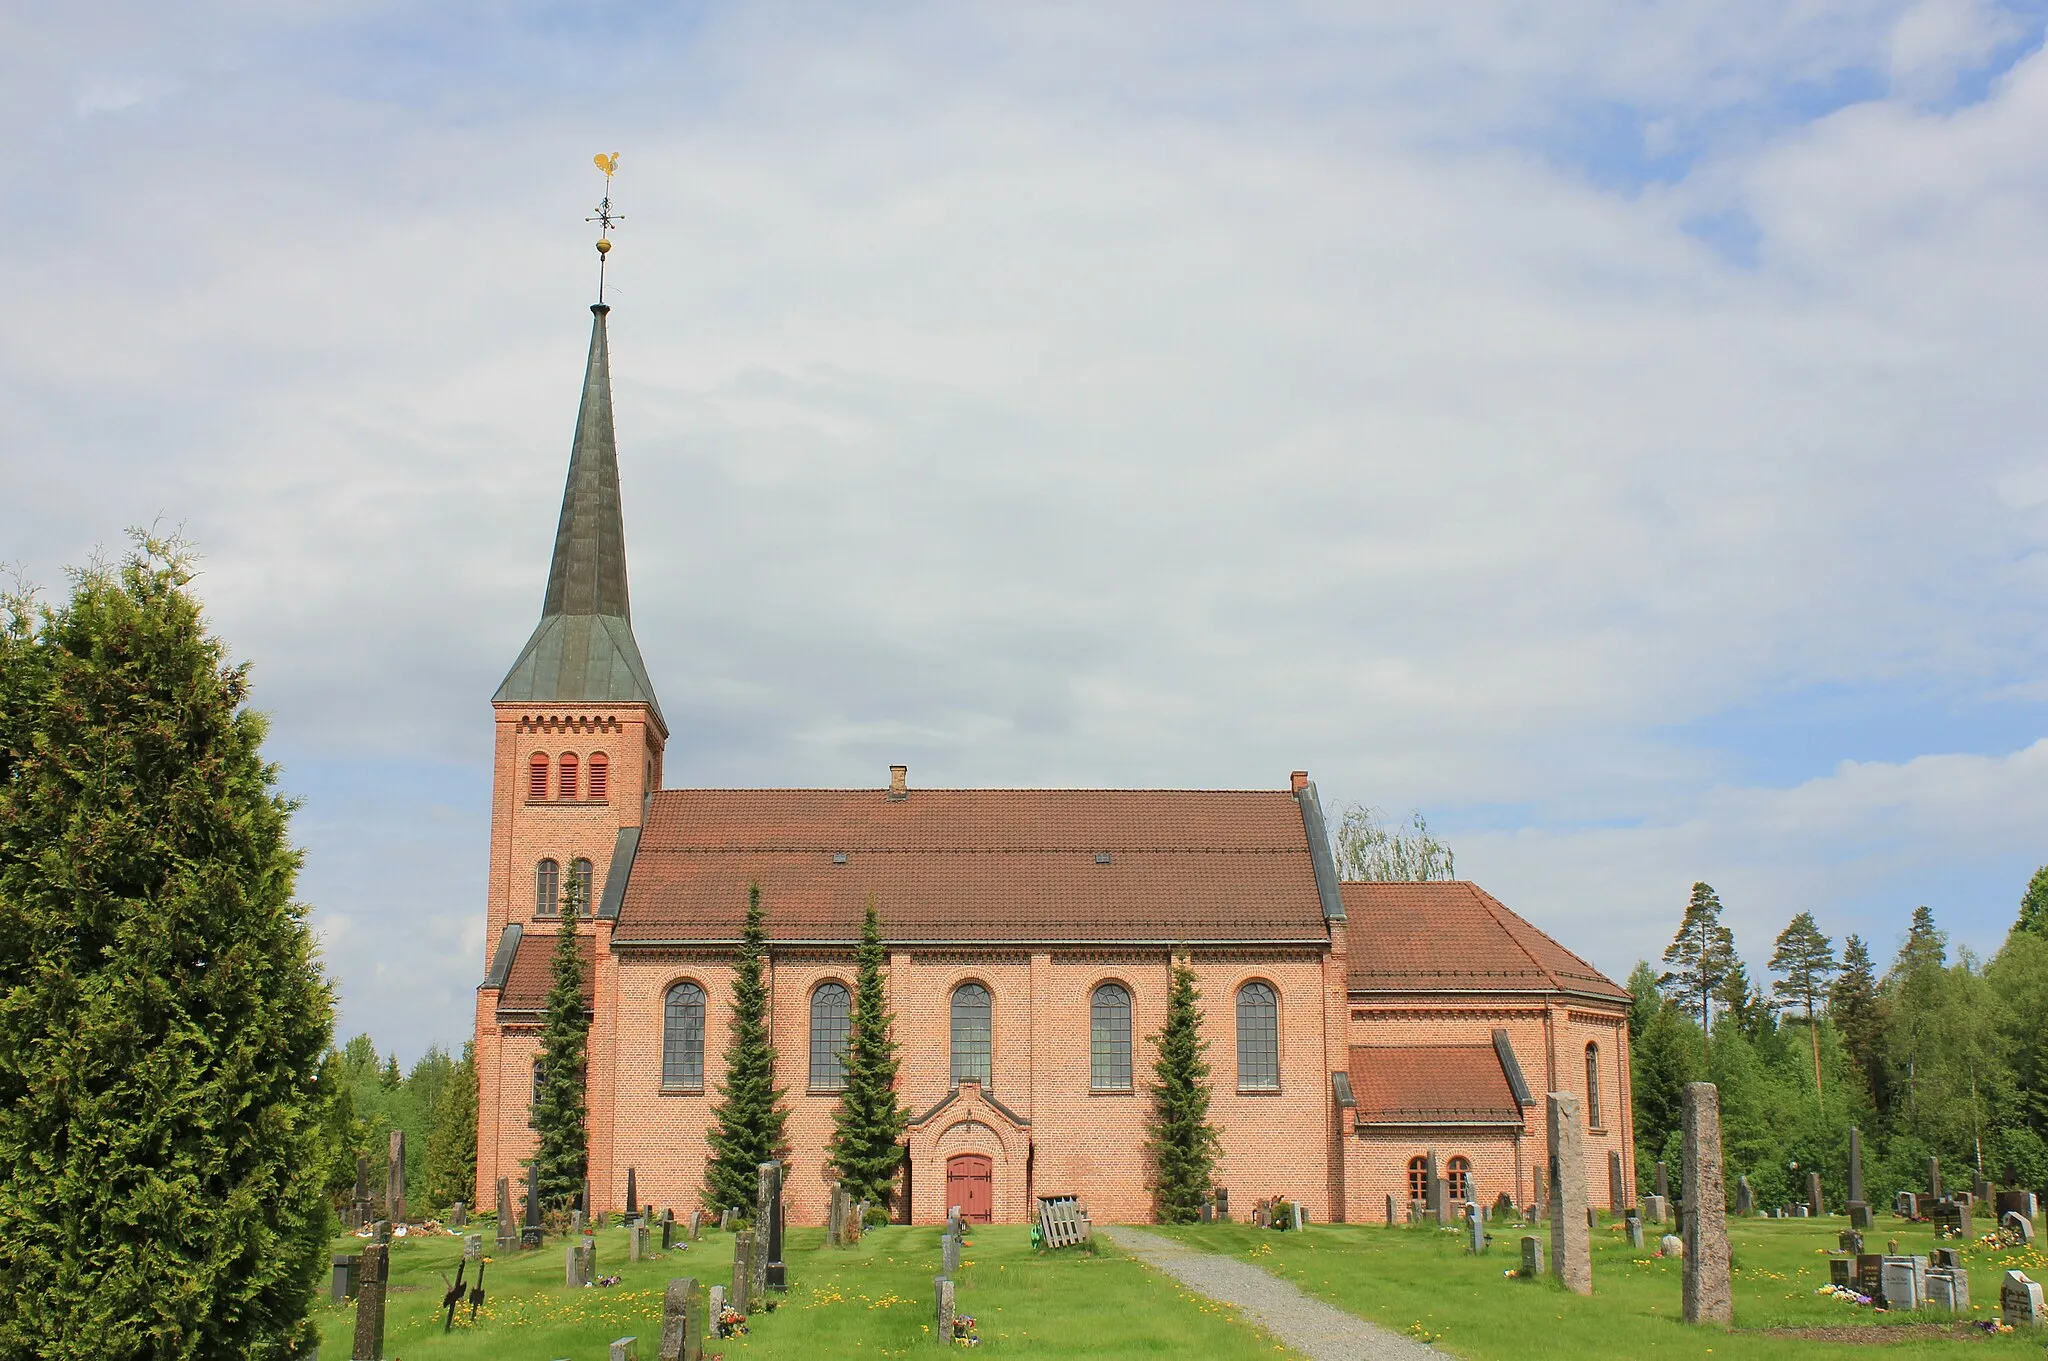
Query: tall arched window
[[537, 776], [831, 1019], [1109, 1039], [547, 888], [600, 776], [1593, 1120], [1258, 1037], [534, 1103], [973, 1033], [1458, 1177], [567, 785], [682, 1038], [1418, 1179], [583, 872]]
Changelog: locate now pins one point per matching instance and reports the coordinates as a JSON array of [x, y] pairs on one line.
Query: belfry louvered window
[[600, 777], [831, 1019], [682, 1037], [1258, 1038], [537, 776], [973, 1033], [547, 888], [1109, 1039]]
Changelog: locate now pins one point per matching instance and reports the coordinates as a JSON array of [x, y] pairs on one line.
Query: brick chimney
[[899, 782], [1299, 780]]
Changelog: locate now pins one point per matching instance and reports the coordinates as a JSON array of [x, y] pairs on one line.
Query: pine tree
[[1698, 960], [747, 1124], [164, 1154], [2034, 905], [560, 1112], [1181, 1141], [451, 1144], [1858, 1014], [1806, 959], [869, 1123]]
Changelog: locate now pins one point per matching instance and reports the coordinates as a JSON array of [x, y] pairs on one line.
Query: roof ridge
[[1490, 903], [1592, 969]]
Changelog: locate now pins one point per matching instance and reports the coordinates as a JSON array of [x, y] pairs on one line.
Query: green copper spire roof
[[583, 651]]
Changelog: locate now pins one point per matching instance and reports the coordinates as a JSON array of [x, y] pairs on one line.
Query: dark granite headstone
[[1663, 1182], [1617, 1186], [343, 1285], [632, 1193]]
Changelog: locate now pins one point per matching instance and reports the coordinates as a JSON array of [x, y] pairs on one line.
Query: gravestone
[[1841, 1273], [1745, 1199], [533, 1197], [632, 1193], [1634, 1220], [373, 1275], [1671, 1245], [508, 1231], [394, 1179], [636, 1241], [1301, 1219], [1980, 1190], [1951, 1219], [942, 1290], [2019, 1226], [1223, 1203], [668, 1229], [1433, 1191], [1850, 1241], [1663, 1183], [1475, 1233], [1208, 1210], [572, 1266], [1907, 1204], [2021, 1203], [1934, 1178], [949, 1249], [459, 1218], [740, 1297], [713, 1309], [769, 1271], [835, 1218], [725, 1221], [1799, 1211], [1948, 1288], [1532, 1256], [1656, 1209], [696, 1224], [1617, 1188], [682, 1334], [1816, 1205], [343, 1285], [2019, 1301], [1708, 1295], [380, 1232], [1571, 1247], [1900, 1283], [625, 1349], [1390, 1208]]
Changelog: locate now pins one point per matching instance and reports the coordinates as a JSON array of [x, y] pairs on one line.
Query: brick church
[[1353, 1027]]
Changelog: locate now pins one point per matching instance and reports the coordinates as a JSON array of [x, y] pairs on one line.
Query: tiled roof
[[1431, 1084], [526, 984], [1455, 936], [976, 865]]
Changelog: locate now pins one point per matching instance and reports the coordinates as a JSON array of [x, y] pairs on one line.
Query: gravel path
[[1308, 1325]]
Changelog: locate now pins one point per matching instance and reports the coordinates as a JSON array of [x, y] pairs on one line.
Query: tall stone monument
[[1708, 1295], [1858, 1208], [1617, 1185], [373, 1276], [394, 1179], [1571, 1243], [682, 1326], [769, 1271]]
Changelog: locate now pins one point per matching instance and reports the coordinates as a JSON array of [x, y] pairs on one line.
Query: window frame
[[1418, 1178], [1096, 1040], [988, 1037], [1594, 1120], [1238, 999], [549, 869], [585, 870], [812, 1082], [670, 1039], [1458, 1178]]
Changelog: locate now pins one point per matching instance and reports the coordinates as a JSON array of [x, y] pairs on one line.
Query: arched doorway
[[970, 1184]]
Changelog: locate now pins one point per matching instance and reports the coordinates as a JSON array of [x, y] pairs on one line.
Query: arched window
[[537, 776], [1458, 1178], [973, 1033], [583, 872], [600, 776], [682, 1037], [547, 888], [1258, 1037], [1418, 1179], [1593, 1120], [534, 1103], [1109, 1039], [831, 1019], [567, 784]]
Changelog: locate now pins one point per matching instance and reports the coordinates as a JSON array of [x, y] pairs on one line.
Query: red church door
[[970, 1184]]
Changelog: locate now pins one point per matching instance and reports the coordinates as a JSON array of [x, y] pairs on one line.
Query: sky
[[1613, 429]]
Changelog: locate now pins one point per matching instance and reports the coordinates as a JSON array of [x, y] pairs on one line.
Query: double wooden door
[[970, 1184]]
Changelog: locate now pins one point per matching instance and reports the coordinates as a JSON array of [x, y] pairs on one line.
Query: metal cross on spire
[[605, 217]]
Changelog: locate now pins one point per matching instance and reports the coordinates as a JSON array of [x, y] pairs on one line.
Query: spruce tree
[[1806, 959], [164, 1154], [868, 1125], [1698, 959], [747, 1123], [2034, 905], [451, 1144], [1858, 1013], [1181, 1141], [560, 1111]]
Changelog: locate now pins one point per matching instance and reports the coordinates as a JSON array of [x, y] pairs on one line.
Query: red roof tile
[[1431, 1084], [526, 982], [976, 865], [1455, 936]]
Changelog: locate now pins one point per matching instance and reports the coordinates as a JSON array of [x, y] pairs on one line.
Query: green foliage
[[747, 1123], [1805, 960], [2033, 917], [1698, 960], [868, 1125], [1858, 1013], [449, 1168], [1646, 1001], [560, 1111], [376, 1110], [165, 1113], [1369, 850], [1181, 1141]]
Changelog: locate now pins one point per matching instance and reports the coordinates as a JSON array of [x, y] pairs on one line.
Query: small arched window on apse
[[1593, 1120], [584, 873], [1418, 1179], [570, 780], [682, 1038], [1258, 1038], [831, 1020], [537, 776], [1458, 1178], [534, 1103], [547, 888], [600, 776], [973, 1033], [1109, 1039]]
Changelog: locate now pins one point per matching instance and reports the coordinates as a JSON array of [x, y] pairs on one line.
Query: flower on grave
[[731, 1323]]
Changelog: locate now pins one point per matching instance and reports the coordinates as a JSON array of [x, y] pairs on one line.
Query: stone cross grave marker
[[741, 1297], [942, 1290], [1708, 1296], [394, 1179], [2019, 1301], [1816, 1204], [682, 1334], [372, 1279], [1617, 1187], [1571, 1246], [769, 1270], [1532, 1256]]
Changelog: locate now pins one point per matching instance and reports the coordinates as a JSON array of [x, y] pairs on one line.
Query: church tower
[[579, 748]]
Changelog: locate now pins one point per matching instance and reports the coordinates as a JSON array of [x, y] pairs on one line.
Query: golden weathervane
[[605, 216]]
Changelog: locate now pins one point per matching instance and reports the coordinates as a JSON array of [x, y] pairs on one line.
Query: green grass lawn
[[871, 1300], [1421, 1281]]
